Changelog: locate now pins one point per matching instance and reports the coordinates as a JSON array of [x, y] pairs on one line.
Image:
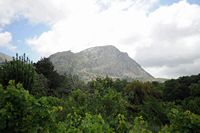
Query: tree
[[87, 123], [22, 112], [174, 90], [195, 89], [181, 88], [140, 126], [119, 85], [184, 122], [45, 67], [137, 92], [155, 113], [40, 86], [192, 104], [19, 69]]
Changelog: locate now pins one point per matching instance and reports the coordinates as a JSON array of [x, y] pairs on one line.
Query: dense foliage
[[19, 69], [35, 98]]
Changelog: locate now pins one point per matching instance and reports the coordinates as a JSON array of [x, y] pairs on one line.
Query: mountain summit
[[99, 61]]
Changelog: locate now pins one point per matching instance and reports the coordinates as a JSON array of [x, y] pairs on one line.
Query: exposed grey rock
[[99, 61], [4, 57]]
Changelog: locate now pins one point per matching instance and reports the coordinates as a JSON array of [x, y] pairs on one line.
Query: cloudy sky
[[161, 35]]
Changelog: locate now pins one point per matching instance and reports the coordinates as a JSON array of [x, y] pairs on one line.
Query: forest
[[35, 98]]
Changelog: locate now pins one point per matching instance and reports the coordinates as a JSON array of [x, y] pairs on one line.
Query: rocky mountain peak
[[99, 61]]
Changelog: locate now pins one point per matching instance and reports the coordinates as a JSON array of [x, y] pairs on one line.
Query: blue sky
[[40, 28], [169, 2], [21, 30]]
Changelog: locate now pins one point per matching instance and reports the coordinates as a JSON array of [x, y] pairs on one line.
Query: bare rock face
[[99, 61], [4, 57]]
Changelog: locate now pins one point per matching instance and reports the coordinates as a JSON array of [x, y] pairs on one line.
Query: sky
[[163, 36]]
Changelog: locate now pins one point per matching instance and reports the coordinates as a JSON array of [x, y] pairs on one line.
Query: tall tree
[[45, 67], [19, 69]]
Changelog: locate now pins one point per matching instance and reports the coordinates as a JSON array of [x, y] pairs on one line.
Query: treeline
[[35, 98]]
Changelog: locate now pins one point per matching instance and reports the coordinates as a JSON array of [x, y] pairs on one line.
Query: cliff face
[[99, 61]]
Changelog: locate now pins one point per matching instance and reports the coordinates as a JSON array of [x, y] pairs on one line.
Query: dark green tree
[[192, 104], [137, 92], [45, 67], [155, 113], [195, 89], [181, 88], [19, 69], [40, 86]]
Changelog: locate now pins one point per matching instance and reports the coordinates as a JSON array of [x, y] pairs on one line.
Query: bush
[[184, 122], [21, 112]]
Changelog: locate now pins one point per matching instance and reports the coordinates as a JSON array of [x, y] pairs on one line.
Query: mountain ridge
[[4, 57], [99, 61]]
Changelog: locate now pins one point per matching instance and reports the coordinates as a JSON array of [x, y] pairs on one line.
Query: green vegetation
[[35, 98]]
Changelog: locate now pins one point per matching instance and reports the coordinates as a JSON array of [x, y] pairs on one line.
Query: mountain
[[99, 61], [4, 57]]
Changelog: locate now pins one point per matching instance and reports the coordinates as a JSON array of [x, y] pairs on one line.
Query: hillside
[[4, 57], [99, 61]]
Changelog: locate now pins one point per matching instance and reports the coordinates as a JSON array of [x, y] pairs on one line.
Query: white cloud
[[174, 41], [5, 40], [176, 71], [36, 11], [89, 25]]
